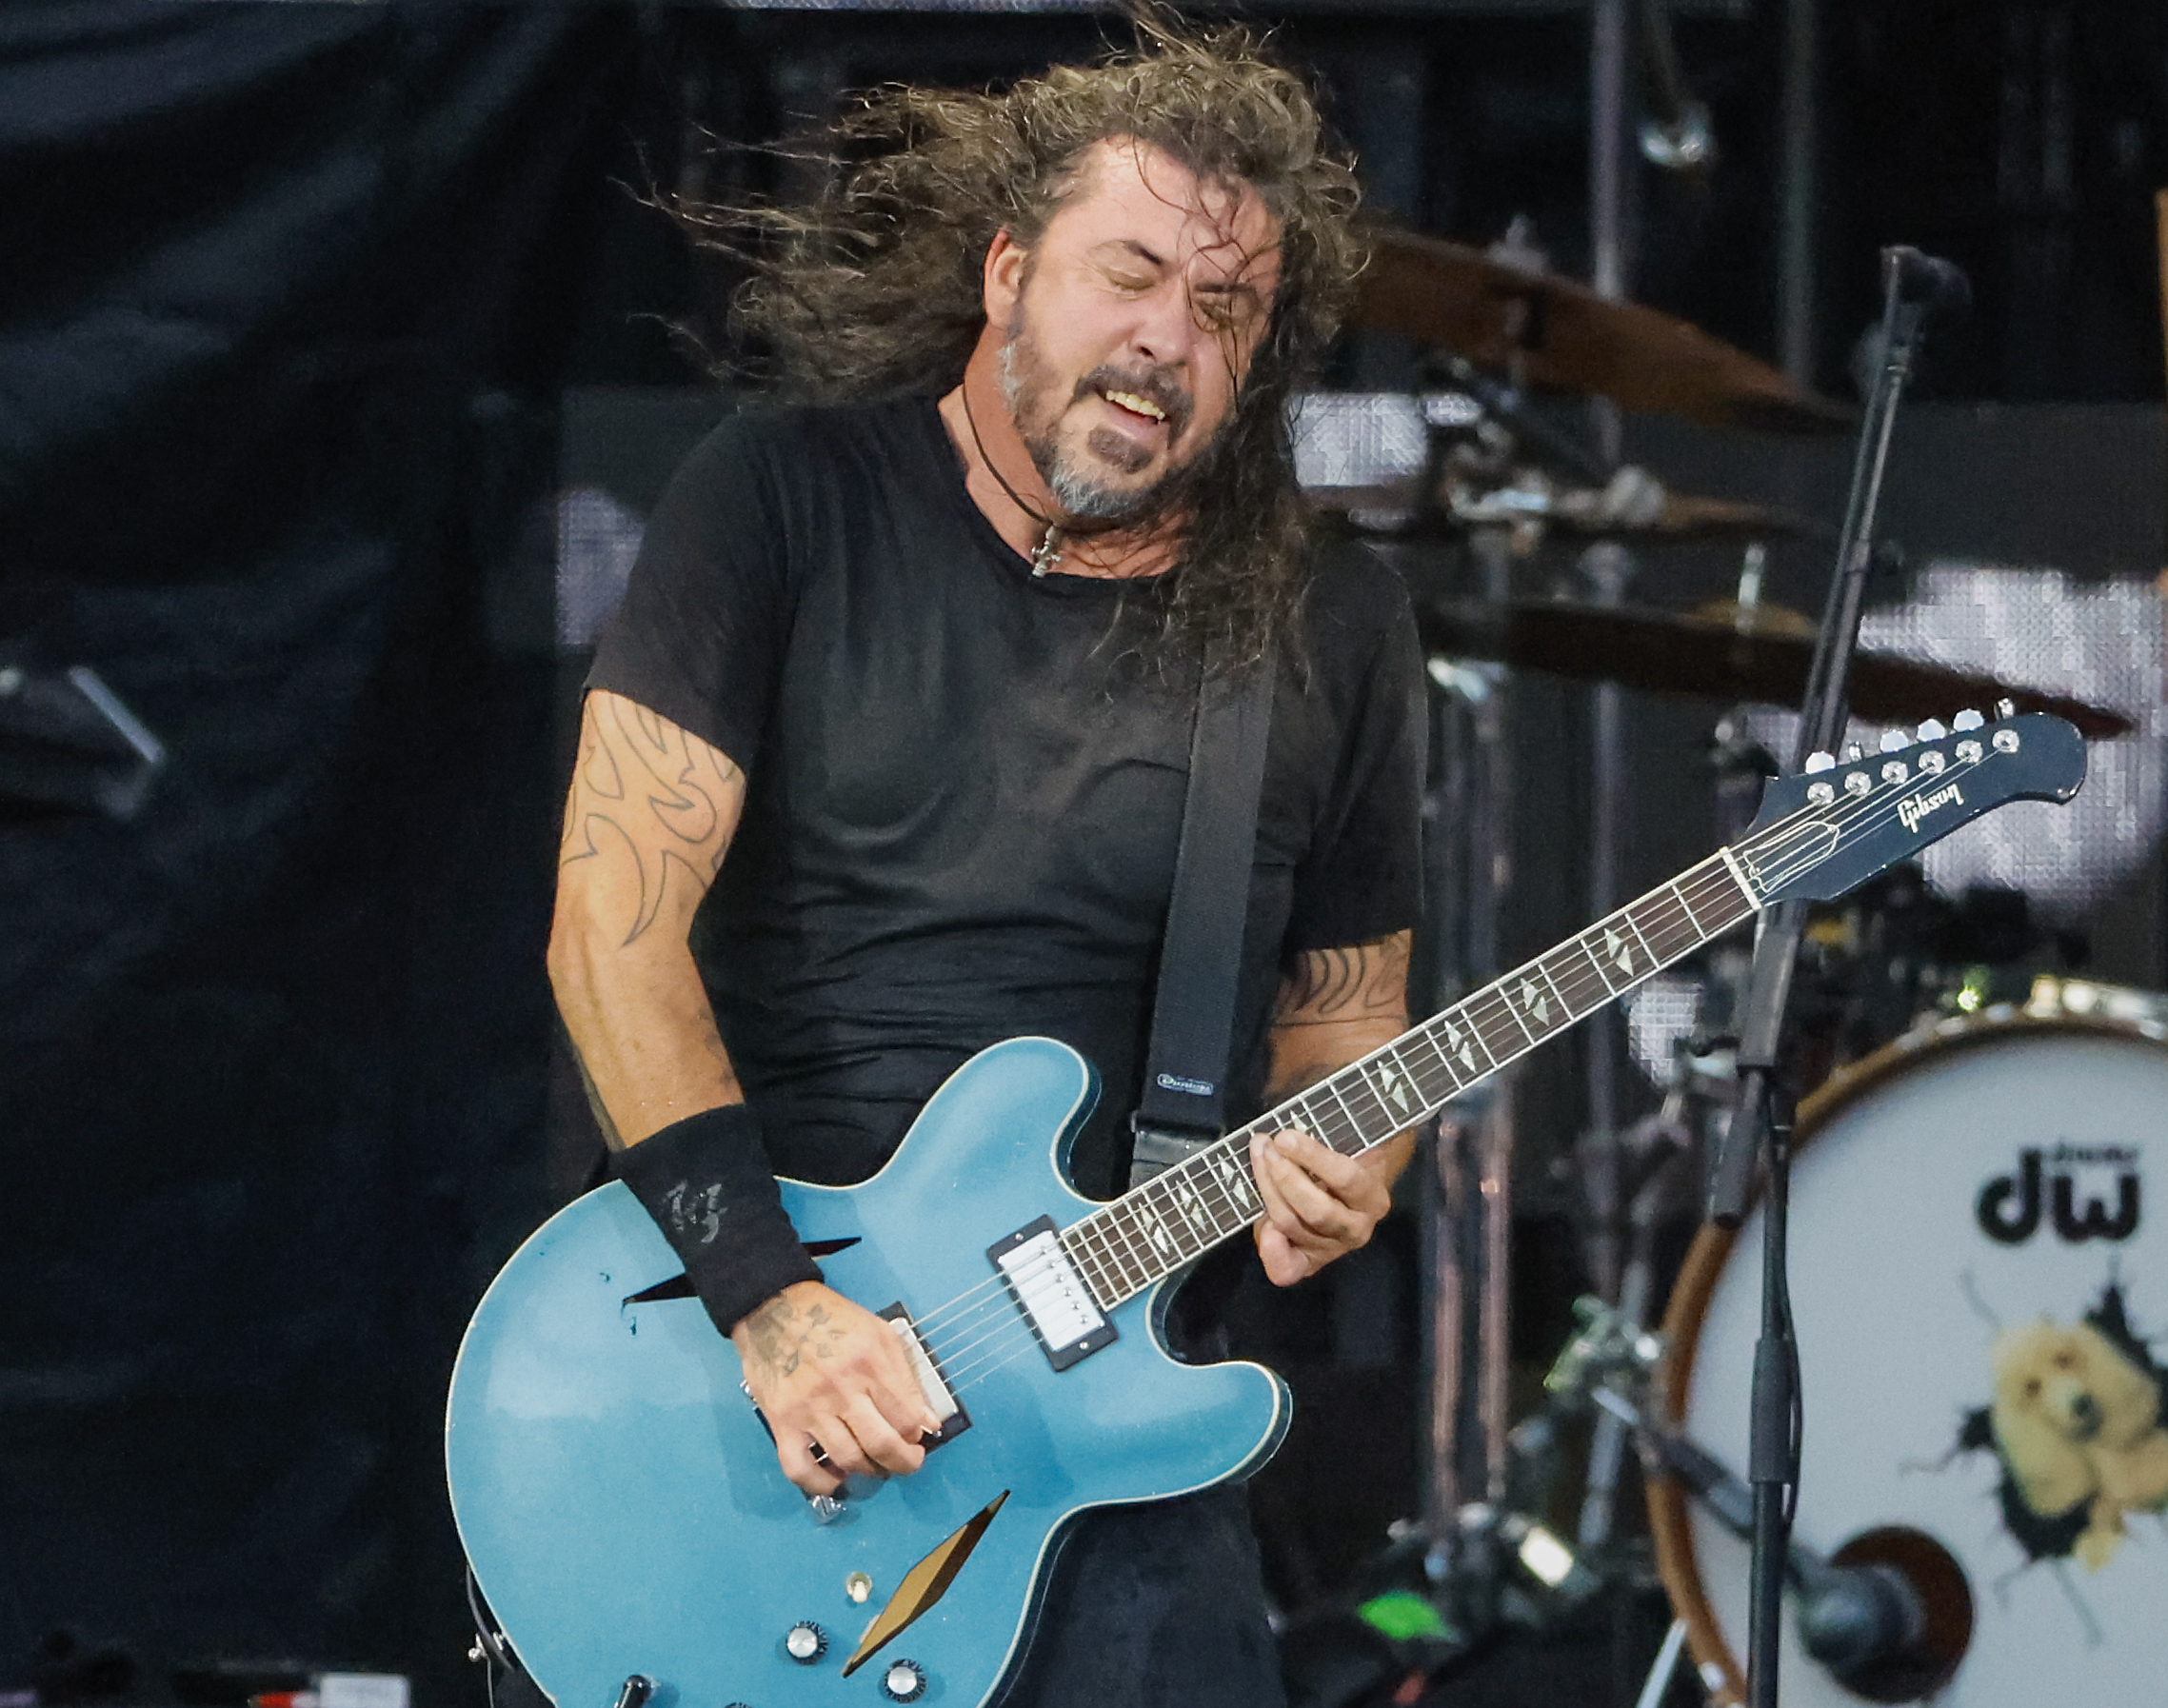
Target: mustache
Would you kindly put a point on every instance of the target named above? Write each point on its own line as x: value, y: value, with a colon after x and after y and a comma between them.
x: 1156, y: 385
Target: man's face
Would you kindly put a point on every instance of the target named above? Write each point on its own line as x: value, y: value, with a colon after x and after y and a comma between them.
x: 1129, y: 327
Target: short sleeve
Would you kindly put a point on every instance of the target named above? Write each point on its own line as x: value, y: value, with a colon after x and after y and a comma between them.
x: 1363, y: 876
x: 700, y: 634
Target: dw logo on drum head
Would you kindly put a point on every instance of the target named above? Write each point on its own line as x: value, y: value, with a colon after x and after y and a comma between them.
x: 2011, y: 1222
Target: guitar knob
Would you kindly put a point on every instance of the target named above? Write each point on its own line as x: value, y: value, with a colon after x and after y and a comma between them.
x: 1818, y: 760
x: 805, y: 1643
x: 1967, y: 719
x: 1931, y: 730
x: 903, y: 1682
x: 1894, y: 741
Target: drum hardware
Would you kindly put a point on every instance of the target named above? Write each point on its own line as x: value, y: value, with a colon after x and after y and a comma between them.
x: 1944, y: 1109
x: 1662, y: 652
x: 1560, y: 334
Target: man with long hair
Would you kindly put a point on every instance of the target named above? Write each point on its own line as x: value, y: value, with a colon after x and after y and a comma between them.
x: 921, y: 653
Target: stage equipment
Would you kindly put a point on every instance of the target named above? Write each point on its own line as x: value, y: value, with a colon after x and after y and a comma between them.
x: 1666, y: 653
x: 1912, y: 286
x: 1555, y: 333
x: 1982, y: 1286
x: 617, y: 1491
x: 68, y: 742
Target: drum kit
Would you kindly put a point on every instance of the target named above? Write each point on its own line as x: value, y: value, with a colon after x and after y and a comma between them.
x: 1982, y: 1514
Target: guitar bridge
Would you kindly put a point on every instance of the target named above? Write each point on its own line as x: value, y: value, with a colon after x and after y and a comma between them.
x: 1063, y: 1316
x: 932, y: 1384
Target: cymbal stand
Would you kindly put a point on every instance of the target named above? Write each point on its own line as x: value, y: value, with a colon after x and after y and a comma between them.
x: 1468, y: 1188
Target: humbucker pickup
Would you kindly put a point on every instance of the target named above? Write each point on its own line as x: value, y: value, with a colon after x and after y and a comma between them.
x: 1064, y: 1318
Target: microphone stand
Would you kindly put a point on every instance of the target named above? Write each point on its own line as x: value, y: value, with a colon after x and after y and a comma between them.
x: 1912, y: 286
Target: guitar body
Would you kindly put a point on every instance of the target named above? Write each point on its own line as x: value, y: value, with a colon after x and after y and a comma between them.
x: 621, y: 1503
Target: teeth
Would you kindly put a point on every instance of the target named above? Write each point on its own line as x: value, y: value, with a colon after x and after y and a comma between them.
x: 1140, y: 405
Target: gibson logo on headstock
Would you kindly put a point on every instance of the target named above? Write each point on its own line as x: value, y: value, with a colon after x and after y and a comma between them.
x: 1911, y: 811
x: 2009, y: 1206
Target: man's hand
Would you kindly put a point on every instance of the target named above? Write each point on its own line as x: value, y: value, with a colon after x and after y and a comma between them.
x: 1335, y: 1006
x: 1319, y: 1204
x: 826, y: 1371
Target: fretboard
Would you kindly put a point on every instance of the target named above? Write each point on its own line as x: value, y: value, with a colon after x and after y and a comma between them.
x: 1125, y: 1246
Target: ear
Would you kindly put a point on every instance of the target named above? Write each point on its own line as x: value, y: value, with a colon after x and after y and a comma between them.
x: 1001, y: 279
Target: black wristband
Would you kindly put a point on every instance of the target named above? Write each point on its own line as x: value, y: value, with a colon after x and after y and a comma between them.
x: 706, y: 1181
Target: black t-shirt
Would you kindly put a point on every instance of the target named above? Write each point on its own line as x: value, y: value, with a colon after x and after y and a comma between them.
x: 965, y: 785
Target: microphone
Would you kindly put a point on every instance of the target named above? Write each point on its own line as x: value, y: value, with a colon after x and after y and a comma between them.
x: 1852, y: 1617
x: 1927, y: 279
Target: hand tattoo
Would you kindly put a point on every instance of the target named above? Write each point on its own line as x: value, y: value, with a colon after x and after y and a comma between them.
x: 784, y: 1336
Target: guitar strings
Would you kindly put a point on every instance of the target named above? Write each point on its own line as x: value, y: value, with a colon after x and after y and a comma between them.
x: 972, y: 1307
x: 1851, y: 823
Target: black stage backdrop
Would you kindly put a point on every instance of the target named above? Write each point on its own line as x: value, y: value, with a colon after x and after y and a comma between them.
x: 272, y: 293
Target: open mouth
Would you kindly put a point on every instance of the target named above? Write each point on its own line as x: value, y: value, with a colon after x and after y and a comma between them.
x: 1132, y: 404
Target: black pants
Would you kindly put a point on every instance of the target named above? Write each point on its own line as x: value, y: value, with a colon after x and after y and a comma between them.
x: 1154, y: 1606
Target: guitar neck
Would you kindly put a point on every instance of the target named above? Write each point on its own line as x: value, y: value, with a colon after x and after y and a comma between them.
x: 1178, y: 1215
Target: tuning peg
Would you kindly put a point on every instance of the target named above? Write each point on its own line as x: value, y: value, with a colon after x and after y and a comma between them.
x: 1854, y: 752
x: 1967, y: 719
x: 1818, y: 760
x: 1931, y: 730
x: 2005, y: 708
x: 1895, y: 740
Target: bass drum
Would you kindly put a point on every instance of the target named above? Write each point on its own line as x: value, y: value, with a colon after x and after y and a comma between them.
x: 1979, y: 1284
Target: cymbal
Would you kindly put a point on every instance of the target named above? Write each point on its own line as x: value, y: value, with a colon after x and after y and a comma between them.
x: 1569, y: 339
x: 1768, y: 663
x: 1654, y: 512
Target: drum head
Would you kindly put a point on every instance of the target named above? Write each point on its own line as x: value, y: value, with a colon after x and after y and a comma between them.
x: 1980, y: 1281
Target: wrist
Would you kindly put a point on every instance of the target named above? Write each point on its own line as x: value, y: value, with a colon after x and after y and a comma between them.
x: 706, y: 1185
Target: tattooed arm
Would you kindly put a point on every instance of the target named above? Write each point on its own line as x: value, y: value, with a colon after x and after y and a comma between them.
x: 651, y: 814
x: 1335, y: 1006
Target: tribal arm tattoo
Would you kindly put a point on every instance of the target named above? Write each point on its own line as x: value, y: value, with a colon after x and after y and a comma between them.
x: 646, y: 790
x: 648, y: 820
x: 1336, y: 1005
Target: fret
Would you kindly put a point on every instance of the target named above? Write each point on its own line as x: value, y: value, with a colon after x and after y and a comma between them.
x: 1110, y: 1257
x: 1356, y: 1081
x: 1160, y: 1247
x: 1091, y: 1264
x: 1464, y: 1040
x: 1500, y: 1001
x: 1738, y: 874
x: 1320, y: 1131
x: 1499, y: 995
x: 1667, y: 941
x: 1428, y: 1035
x: 1395, y: 1085
x: 1595, y: 965
x: 1543, y: 965
x: 1230, y: 1169
x: 1202, y: 1223
x: 1648, y: 954
x: 1135, y: 1255
x: 1159, y: 1193
x: 1205, y: 1191
x: 1689, y: 906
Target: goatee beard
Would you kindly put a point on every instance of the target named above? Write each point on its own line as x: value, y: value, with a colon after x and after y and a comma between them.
x: 1081, y: 496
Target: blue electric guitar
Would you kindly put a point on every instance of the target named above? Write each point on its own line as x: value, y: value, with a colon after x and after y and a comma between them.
x: 616, y: 1489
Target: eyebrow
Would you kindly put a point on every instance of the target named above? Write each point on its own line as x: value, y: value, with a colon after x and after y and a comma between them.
x: 1218, y: 288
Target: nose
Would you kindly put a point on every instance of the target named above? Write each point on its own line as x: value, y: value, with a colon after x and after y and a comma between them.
x: 2086, y: 1413
x: 1166, y: 324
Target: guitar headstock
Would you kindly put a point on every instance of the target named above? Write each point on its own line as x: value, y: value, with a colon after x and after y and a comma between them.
x: 1829, y: 830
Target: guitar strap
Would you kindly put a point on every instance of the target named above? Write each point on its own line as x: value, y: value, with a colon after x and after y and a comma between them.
x: 1184, y: 1106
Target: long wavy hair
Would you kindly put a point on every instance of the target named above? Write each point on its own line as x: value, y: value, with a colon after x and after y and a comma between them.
x: 874, y: 286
